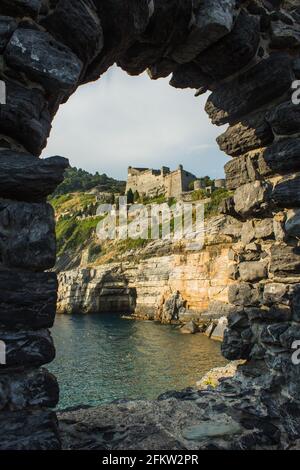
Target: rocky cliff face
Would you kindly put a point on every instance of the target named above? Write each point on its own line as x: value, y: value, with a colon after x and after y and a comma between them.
x: 147, y: 287
x: 144, y: 288
x: 247, y: 54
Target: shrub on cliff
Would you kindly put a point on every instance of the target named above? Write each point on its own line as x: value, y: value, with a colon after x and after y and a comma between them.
x: 212, y: 208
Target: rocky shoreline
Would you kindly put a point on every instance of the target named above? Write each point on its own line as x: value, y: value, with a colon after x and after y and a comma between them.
x: 233, y: 416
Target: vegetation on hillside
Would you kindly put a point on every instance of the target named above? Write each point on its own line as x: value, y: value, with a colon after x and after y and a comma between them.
x: 78, y: 180
x: 73, y: 234
x: 206, y: 181
x: 212, y: 207
x: 76, y: 214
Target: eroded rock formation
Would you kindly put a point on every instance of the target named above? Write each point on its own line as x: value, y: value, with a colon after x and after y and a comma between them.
x: 247, y: 54
x: 163, y: 281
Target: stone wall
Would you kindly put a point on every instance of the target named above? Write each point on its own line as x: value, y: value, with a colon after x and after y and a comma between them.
x: 247, y: 54
x: 153, y: 183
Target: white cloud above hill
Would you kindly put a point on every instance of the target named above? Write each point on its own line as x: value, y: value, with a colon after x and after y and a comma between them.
x: 121, y: 120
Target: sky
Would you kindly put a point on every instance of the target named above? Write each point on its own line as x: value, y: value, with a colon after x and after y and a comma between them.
x: 122, y: 121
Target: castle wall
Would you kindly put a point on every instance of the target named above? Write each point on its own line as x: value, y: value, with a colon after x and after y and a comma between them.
x: 155, y: 182
x: 173, y: 183
x: 187, y: 178
x: 148, y: 182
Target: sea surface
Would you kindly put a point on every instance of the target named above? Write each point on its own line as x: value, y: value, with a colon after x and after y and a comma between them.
x: 102, y: 358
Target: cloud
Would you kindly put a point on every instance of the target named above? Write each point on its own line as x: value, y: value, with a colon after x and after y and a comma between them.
x: 121, y: 120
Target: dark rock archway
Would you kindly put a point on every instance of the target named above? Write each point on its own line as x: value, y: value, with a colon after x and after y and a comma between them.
x: 247, y: 54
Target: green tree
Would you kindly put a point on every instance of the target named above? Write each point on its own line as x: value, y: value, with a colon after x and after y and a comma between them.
x: 207, y: 181
x: 130, y: 196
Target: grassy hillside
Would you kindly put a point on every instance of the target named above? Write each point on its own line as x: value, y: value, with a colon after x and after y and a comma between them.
x: 77, y: 221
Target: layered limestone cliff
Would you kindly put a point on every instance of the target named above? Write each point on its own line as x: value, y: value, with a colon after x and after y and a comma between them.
x: 165, y: 282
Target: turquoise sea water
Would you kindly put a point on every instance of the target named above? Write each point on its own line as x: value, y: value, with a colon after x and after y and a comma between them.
x: 101, y: 358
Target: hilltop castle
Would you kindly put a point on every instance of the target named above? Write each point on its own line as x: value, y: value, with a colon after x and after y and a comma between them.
x: 153, y: 183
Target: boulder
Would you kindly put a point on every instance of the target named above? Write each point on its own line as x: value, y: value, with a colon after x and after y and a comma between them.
x: 209, y: 330
x: 251, y: 271
x: 171, y: 308
x: 244, y: 294
x: 7, y: 27
x: 252, y: 252
x: 169, y: 22
x: 275, y: 313
x: 286, y: 193
x: 76, y: 25
x: 264, y: 228
x: 248, y: 232
x: 261, y: 84
x: 212, y: 429
x: 234, y: 346
x: 29, y: 430
x: 238, y: 321
x: 271, y: 334
x: 232, y: 227
x: 215, y: 376
x: 212, y: 21
x: 21, y: 7
x: 25, y: 117
x: 274, y: 293
x: 292, y: 224
x: 161, y: 69
x: 284, y: 119
x: 27, y: 178
x: 43, y: 59
x: 234, y: 52
x: 218, y: 332
x: 284, y: 35
x: 227, y: 207
x: 285, y: 260
x: 280, y: 157
x: 251, y: 198
x: 241, y: 171
x: 252, y: 132
x: 123, y: 23
x: 27, y: 300
x: 189, y: 328
x: 19, y: 390
x: 190, y: 76
x: 26, y: 348
x: 27, y: 235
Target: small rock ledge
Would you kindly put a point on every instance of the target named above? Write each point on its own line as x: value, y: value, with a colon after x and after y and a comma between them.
x: 243, y: 413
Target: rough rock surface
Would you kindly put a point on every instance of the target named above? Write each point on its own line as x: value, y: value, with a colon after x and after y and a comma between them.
x: 34, y: 430
x: 27, y: 299
x: 43, y: 59
x: 27, y: 178
x: 238, y: 415
x: 20, y: 390
x: 177, y: 286
x: 215, y: 376
x: 247, y: 54
x: 27, y: 235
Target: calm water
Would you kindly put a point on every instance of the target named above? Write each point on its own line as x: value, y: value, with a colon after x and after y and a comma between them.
x: 101, y: 358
